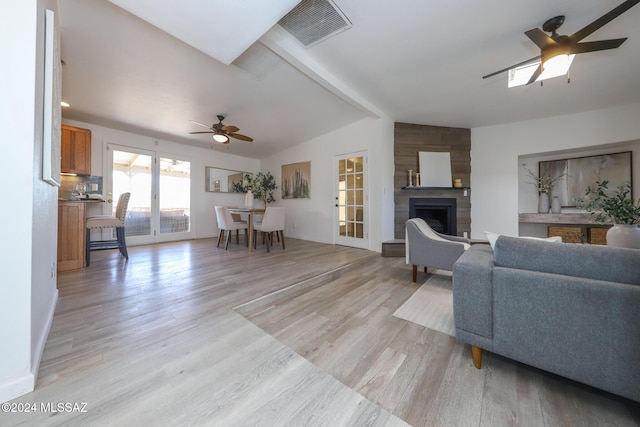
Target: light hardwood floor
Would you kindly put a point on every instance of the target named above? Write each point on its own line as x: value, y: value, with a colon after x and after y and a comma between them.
x: 188, y: 334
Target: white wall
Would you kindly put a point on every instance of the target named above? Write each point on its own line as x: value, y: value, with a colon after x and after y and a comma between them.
x: 495, y: 152
x: 44, y: 292
x: 314, y: 217
x: 26, y: 256
x: 203, y: 218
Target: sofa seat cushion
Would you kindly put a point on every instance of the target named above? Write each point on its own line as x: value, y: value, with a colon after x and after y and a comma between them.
x: 587, y: 261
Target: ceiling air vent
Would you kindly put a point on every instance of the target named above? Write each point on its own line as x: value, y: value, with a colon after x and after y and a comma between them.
x: 312, y: 21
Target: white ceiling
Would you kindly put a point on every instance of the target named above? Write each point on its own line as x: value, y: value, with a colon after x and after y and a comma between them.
x: 415, y: 62
x: 212, y: 26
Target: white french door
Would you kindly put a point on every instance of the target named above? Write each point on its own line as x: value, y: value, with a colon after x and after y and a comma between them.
x: 160, y: 186
x: 351, y: 200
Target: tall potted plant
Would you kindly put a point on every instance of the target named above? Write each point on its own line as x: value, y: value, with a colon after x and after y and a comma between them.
x: 260, y: 185
x: 263, y: 186
x: 617, y: 207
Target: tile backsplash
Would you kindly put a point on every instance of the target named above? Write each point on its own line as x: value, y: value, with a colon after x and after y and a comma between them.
x: 65, y: 191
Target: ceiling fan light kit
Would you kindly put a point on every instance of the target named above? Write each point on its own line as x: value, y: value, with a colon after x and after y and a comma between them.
x: 223, y: 139
x: 557, y: 51
x: 222, y: 133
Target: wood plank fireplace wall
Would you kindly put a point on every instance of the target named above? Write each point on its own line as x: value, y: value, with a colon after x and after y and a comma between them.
x: 409, y: 139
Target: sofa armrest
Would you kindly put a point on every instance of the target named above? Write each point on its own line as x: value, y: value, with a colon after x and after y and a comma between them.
x: 473, y: 296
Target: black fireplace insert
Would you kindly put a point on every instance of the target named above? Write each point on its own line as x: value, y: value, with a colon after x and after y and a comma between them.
x: 438, y: 212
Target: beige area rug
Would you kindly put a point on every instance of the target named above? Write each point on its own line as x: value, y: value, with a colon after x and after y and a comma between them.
x: 431, y: 305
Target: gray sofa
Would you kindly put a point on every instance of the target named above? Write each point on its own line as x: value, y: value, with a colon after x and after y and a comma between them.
x: 573, y: 310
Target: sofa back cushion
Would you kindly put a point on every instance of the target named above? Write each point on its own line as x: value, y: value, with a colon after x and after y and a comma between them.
x: 588, y: 261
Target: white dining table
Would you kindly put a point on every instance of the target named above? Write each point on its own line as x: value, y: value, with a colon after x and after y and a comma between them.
x: 251, y: 212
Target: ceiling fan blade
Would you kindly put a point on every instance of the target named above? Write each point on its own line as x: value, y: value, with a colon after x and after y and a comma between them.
x: 192, y: 133
x: 519, y: 64
x: 230, y: 128
x: 200, y: 124
x: 540, y: 38
x: 604, y: 19
x: 585, y: 47
x: 535, y: 75
x: 240, y: 137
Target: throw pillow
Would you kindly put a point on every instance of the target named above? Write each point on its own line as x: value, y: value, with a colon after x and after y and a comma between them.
x: 492, y: 237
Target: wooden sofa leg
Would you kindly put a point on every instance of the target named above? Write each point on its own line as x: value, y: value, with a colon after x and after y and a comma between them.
x: 477, y: 356
x: 415, y: 273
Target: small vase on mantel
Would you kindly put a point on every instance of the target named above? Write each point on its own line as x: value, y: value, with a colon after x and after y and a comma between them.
x: 543, y: 203
x: 556, y: 208
x: 624, y: 236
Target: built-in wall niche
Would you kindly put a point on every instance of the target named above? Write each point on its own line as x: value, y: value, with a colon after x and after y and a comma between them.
x: 528, y: 196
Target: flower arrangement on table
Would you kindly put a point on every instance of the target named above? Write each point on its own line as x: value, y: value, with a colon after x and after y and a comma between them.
x: 543, y: 183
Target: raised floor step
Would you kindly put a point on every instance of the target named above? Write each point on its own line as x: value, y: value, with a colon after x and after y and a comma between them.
x: 393, y: 248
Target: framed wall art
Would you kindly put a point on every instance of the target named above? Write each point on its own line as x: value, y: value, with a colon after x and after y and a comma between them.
x: 296, y: 181
x: 52, y: 117
x: 581, y: 172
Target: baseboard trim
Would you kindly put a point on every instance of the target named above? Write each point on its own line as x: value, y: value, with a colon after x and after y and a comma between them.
x: 42, y: 340
x: 24, y: 384
x: 17, y: 387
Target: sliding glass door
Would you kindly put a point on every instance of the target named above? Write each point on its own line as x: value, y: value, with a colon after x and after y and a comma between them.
x: 160, y: 186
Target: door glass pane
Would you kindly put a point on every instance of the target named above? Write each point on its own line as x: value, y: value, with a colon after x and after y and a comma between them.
x: 341, y: 167
x: 350, y: 200
x: 132, y: 173
x: 175, y: 195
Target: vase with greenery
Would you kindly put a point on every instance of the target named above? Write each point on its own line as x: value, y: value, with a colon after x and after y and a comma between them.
x: 543, y: 184
x: 614, y: 206
x: 262, y: 185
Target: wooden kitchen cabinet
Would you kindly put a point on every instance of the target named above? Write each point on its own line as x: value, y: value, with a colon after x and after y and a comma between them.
x: 71, y: 235
x: 75, y: 153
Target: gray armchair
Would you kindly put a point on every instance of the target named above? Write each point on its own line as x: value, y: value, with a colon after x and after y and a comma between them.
x: 428, y: 248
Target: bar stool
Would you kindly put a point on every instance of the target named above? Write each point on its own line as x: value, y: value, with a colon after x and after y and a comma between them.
x: 105, y: 221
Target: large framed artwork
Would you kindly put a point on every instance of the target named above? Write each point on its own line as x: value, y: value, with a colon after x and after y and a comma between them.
x: 296, y: 181
x: 581, y: 172
x: 435, y: 169
x: 52, y: 121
